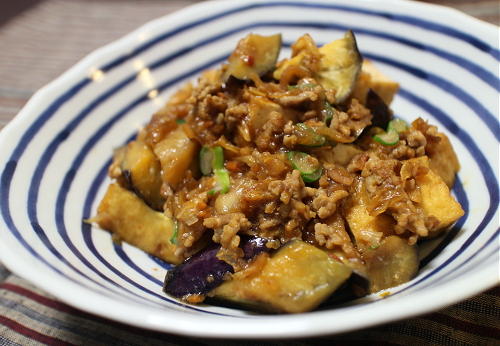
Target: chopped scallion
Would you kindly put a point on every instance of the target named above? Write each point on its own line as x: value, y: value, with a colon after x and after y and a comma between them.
x: 212, y: 160
x: 307, y: 136
x: 398, y: 125
x: 387, y: 138
x: 173, y: 238
x: 206, y: 160
x: 308, y: 166
x: 222, y: 180
x: 327, y: 112
x: 218, y: 158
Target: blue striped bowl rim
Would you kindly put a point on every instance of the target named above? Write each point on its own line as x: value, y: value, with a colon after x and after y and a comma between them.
x: 81, y: 265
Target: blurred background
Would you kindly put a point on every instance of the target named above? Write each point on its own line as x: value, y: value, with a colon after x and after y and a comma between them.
x: 40, y: 39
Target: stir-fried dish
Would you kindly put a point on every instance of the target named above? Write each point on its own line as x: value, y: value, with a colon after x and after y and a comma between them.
x: 277, y: 186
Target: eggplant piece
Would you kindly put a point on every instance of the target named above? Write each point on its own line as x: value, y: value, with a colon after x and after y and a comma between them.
x: 203, y: 271
x: 253, y: 246
x: 296, y: 278
x: 142, y: 172
x: 254, y: 55
x: 357, y: 286
x: 380, y: 111
x: 340, y: 65
x: 127, y: 216
x: 393, y: 263
x: 198, y: 274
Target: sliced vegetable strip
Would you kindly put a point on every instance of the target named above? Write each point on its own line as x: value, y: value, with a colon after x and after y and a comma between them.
x: 173, y: 238
x: 398, y: 125
x: 307, y: 136
x: 212, y: 160
x: 391, y: 136
x: 308, y: 166
x: 387, y: 138
x: 206, y: 159
x: 327, y: 112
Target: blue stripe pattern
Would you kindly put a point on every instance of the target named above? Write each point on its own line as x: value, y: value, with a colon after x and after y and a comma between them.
x: 484, y: 115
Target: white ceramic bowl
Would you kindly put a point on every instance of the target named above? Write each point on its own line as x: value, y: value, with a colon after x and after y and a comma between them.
x: 55, y: 154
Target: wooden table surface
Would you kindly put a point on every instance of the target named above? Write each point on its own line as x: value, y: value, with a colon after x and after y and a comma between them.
x: 39, y: 40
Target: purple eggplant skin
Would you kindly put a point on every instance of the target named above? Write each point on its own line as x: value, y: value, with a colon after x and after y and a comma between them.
x: 198, y: 274
x: 203, y: 271
x: 380, y: 111
x: 252, y: 246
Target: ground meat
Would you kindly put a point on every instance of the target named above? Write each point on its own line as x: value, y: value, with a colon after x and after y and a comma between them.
x: 338, y: 174
x: 431, y: 135
x: 357, y: 163
x: 387, y: 193
x: 289, y: 138
x: 289, y: 205
x: 226, y: 228
x: 349, y: 125
x: 294, y: 99
x: 325, y: 204
x: 333, y: 234
x: 269, y: 139
x: 291, y: 187
x: 412, y: 144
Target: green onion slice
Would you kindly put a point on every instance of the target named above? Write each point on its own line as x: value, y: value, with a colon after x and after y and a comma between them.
x: 390, y: 137
x: 327, y: 112
x: 308, y: 166
x: 173, y: 238
x: 307, y: 136
x: 222, y: 180
x: 206, y: 160
x: 398, y: 125
x: 180, y: 121
x: 218, y: 158
x: 212, y: 160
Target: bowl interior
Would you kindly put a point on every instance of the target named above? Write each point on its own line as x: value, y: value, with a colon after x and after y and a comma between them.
x: 56, y: 155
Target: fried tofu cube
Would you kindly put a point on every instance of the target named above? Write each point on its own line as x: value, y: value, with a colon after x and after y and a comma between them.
x: 364, y: 226
x: 131, y: 220
x: 444, y: 161
x: 372, y: 78
x: 435, y: 197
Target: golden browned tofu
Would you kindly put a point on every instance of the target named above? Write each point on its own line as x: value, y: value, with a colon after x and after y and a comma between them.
x: 362, y: 224
x: 297, y: 278
x: 127, y: 216
x: 142, y: 170
x: 371, y: 78
x: 175, y: 153
x: 444, y: 161
x: 435, y: 197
